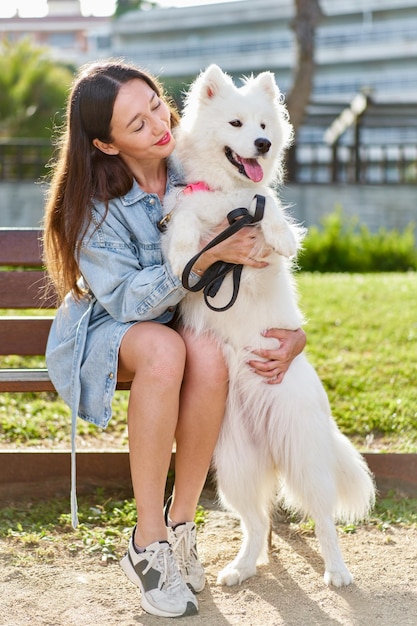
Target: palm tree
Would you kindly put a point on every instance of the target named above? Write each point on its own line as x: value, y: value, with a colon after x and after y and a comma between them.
x: 33, y: 90
x: 123, y: 6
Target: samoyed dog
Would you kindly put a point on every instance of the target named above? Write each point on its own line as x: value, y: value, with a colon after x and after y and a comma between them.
x: 277, y: 441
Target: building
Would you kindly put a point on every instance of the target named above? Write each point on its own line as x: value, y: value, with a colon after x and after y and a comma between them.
x: 371, y: 43
x: 360, y: 44
x: 70, y: 36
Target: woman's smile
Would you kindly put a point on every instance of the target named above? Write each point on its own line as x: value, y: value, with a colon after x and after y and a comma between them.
x: 164, y: 140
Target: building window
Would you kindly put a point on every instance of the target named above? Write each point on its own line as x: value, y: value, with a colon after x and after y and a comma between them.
x: 62, y: 40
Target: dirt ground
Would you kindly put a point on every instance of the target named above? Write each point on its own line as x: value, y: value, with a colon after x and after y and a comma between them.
x: 288, y: 591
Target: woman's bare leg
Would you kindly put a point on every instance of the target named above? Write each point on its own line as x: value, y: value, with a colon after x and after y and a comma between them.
x: 202, y: 406
x: 153, y: 357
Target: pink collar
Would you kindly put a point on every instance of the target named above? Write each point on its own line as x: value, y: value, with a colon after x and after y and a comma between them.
x: 198, y: 186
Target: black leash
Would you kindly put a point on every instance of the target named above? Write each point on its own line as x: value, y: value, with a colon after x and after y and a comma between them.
x: 213, y: 277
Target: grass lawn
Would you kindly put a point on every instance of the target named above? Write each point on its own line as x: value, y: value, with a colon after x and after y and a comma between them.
x: 362, y: 338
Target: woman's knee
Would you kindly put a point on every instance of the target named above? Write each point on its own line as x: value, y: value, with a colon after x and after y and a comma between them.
x: 153, y: 349
x: 205, y: 356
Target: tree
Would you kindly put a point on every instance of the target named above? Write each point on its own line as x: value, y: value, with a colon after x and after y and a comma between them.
x: 123, y: 6
x: 307, y: 18
x: 33, y: 90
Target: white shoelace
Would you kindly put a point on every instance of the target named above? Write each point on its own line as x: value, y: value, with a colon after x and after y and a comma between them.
x: 163, y: 561
x: 184, y: 547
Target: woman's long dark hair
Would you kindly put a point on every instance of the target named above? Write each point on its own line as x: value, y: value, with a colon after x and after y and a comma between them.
x: 82, y: 172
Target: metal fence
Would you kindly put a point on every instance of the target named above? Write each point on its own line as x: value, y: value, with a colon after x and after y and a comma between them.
x: 348, y: 164
x: 24, y: 159
x: 27, y: 159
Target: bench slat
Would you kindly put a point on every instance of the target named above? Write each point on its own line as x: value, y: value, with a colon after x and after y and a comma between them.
x: 24, y: 290
x: 26, y: 336
x: 25, y: 380
x: 20, y: 246
x: 32, y: 380
x: 20, y: 289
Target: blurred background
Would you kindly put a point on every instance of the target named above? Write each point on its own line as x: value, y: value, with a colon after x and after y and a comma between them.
x: 347, y: 68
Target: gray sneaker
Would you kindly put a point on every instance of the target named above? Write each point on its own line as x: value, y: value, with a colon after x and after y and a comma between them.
x: 183, y: 540
x: 155, y: 572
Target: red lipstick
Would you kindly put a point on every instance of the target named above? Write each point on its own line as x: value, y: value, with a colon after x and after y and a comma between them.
x: 164, y: 140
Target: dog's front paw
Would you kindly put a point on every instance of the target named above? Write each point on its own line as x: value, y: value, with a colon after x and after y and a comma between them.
x: 234, y: 575
x: 340, y: 578
x: 282, y: 239
x: 179, y: 255
x: 178, y: 264
x: 287, y: 244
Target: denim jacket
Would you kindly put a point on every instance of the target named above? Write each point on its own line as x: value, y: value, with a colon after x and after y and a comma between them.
x: 128, y: 281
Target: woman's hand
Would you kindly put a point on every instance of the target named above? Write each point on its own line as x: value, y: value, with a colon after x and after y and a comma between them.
x: 278, y: 360
x: 240, y: 248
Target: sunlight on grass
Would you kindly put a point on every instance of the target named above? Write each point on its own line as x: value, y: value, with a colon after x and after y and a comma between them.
x: 41, y: 531
x: 362, y: 339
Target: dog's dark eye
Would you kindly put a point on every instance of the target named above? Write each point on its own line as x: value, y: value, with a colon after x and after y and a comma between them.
x: 263, y: 126
x: 236, y: 123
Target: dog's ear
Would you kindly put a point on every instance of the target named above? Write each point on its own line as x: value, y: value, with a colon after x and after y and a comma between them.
x: 266, y: 81
x: 212, y: 80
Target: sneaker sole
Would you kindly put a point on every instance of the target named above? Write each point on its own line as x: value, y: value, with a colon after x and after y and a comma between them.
x: 126, y: 566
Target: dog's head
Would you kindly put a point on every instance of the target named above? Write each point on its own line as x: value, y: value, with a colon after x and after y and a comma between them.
x: 231, y: 133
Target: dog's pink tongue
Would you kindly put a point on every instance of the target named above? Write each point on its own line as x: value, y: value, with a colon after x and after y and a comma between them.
x: 253, y: 169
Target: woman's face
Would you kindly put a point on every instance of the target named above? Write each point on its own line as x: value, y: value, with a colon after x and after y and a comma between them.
x: 140, y: 125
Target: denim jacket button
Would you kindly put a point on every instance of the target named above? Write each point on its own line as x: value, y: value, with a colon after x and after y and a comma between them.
x: 111, y: 375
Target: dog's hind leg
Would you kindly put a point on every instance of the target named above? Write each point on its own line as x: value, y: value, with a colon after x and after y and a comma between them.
x: 336, y: 573
x: 311, y: 487
x: 255, y: 525
x: 310, y: 462
x: 318, y: 499
x: 247, y: 488
x: 355, y: 495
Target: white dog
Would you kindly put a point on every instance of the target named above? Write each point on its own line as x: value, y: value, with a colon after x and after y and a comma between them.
x: 276, y: 439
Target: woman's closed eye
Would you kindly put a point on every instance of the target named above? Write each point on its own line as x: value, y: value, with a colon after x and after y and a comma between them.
x: 155, y: 108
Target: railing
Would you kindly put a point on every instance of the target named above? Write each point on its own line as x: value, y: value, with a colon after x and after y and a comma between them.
x: 27, y: 159
x: 366, y: 164
x: 24, y: 159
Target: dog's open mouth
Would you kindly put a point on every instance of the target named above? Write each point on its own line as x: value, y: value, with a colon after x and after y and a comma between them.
x: 248, y: 167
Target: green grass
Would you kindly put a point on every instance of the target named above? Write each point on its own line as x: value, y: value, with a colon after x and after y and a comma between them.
x: 362, y: 339
x: 43, y: 528
x: 40, y: 531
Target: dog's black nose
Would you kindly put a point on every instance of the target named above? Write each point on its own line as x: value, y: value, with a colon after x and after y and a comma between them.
x: 262, y: 144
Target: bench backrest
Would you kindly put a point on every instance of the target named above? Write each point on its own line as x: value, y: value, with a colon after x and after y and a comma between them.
x: 22, y: 286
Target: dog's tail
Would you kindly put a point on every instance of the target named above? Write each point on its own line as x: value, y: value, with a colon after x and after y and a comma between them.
x: 355, y: 483
x: 324, y: 473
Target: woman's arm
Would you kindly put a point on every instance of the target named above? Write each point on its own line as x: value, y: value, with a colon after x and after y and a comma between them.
x: 236, y: 249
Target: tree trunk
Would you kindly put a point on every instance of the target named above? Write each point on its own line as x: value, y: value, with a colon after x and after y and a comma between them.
x: 308, y: 15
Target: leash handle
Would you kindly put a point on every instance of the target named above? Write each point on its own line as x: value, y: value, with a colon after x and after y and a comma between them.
x: 213, y: 277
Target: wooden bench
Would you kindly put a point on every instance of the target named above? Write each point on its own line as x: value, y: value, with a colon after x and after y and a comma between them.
x: 22, y: 282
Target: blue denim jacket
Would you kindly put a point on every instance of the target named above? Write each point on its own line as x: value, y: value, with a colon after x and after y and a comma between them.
x: 129, y: 281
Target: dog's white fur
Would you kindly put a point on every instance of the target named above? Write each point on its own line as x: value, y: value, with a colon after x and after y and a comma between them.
x: 275, y: 439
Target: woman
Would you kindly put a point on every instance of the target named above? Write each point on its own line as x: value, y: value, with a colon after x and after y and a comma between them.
x: 117, y: 319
